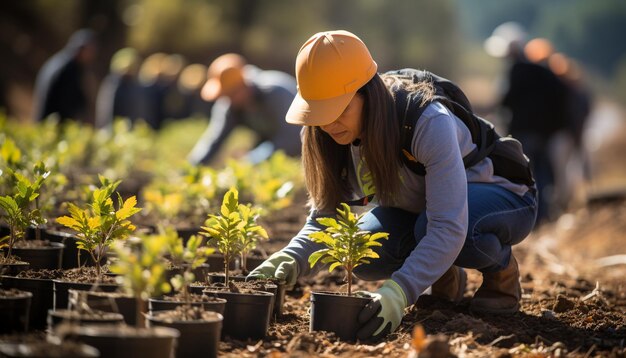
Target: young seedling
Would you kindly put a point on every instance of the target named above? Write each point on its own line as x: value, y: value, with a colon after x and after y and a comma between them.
x: 141, y: 271
x: 251, y: 232
x: 18, y: 212
x: 225, y: 229
x: 191, y: 256
x: 100, y: 223
x: 347, y: 246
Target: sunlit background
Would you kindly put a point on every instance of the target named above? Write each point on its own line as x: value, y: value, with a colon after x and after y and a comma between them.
x: 444, y: 36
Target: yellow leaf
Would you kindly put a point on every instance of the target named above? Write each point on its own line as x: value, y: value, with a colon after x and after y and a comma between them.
x: 93, y: 222
x: 69, y: 222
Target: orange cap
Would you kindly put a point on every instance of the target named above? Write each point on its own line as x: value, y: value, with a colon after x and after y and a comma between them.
x: 330, y: 68
x: 224, y: 76
x: 538, y: 50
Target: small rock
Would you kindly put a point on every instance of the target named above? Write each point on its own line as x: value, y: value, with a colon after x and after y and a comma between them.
x: 548, y: 314
x: 563, y: 304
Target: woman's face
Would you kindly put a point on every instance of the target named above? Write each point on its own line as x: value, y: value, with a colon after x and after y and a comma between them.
x: 347, y: 128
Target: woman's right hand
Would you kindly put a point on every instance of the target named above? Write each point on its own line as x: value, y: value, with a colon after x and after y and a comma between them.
x: 279, y: 265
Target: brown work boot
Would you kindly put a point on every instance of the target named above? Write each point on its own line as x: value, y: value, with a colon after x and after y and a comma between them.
x: 500, y: 291
x: 451, y: 286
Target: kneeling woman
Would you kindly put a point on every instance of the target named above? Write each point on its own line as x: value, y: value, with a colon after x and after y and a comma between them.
x: 450, y: 218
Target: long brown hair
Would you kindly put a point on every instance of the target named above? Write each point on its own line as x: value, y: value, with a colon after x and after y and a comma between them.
x: 326, y: 162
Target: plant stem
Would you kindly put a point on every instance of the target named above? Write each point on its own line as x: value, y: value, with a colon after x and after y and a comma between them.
x: 244, y: 259
x: 140, y: 306
x: 226, y: 262
x: 349, y: 269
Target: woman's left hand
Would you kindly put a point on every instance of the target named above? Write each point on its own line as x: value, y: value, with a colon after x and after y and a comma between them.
x: 384, y: 314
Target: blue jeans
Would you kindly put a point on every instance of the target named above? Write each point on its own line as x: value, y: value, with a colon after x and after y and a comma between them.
x: 498, y: 219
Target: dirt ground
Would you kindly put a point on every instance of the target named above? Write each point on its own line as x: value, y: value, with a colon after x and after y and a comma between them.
x: 573, y: 273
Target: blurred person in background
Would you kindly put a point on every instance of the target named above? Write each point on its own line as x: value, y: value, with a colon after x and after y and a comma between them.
x: 570, y: 157
x: 451, y: 215
x: 535, y: 99
x: 120, y: 94
x: 151, y: 109
x: 61, y: 86
x: 173, y: 101
x: 190, y: 83
x: 247, y: 96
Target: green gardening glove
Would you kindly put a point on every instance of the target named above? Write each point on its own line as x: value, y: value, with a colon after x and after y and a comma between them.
x: 280, y: 266
x: 383, y: 315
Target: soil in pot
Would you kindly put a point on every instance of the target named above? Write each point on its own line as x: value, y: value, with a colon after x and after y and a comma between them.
x: 337, y: 313
x: 41, y: 254
x: 199, y: 330
x: 82, y: 279
x: 168, y: 303
x: 14, y: 310
x: 39, y: 283
x: 248, y: 310
x: 82, y: 317
x: 122, y: 341
x: 270, y: 286
x: 114, y: 302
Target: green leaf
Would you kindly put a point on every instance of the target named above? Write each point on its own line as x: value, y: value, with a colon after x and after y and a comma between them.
x: 314, y: 257
x: 334, y: 266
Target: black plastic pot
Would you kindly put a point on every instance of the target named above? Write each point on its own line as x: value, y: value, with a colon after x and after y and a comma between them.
x: 253, y: 262
x: 58, y: 316
x: 70, y: 254
x: 44, y: 257
x: 216, y: 263
x: 336, y: 313
x: 247, y: 315
x: 159, y: 304
x: 14, y: 268
x: 199, y: 272
x: 61, y: 290
x: 114, y: 302
x: 43, y: 348
x: 42, y: 300
x: 14, y: 311
x: 128, y: 342
x: 218, y: 277
x: 198, y: 338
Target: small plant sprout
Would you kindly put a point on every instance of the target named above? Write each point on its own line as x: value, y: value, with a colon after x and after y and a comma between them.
x: 100, y: 223
x: 140, y: 268
x: 190, y: 256
x: 225, y: 229
x: 17, y: 210
x: 346, y: 245
x: 251, y: 232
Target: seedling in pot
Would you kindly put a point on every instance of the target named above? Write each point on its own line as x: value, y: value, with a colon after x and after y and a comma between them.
x: 191, y: 256
x: 225, y: 229
x: 18, y: 211
x: 100, y: 223
x: 141, y: 271
x: 251, y: 232
x: 347, y: 246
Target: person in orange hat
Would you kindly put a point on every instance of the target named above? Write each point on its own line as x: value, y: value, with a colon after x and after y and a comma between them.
x: 440, y: 220
x: 246, y: 95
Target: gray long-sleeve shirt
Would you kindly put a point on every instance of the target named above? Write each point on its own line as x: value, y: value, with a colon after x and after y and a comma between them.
x: 273, y: 93
x: 440, y: 142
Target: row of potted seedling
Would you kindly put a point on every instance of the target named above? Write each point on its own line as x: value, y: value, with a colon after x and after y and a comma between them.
x: 138, y: 266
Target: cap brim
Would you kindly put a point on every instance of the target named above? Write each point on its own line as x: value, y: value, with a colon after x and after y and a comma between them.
x: 211, y: 90
x: 317, y: 112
